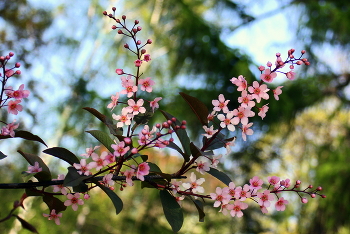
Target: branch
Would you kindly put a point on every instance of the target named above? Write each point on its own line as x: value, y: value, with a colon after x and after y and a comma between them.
x: 57, y: 182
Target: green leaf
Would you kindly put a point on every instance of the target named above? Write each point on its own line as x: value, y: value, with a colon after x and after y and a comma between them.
x: 54, y: 203
x: 182, y: 135
x: 216, y: 143
x: 195, y: 151
x: 200, y: 208
x: 198, y: 107
x: 153, y: 167
x: 104, y: 119
x: 172, y: 210
x: 2, y: 155
x: 26, y: 225
x: 25, y: 135
x: 73, y: 178
x: 143, y: 118
x: 117, y: 202
x: 45, y: 174
x: 63, y: 154
x: 103, y: 138
x: 174, y: 146
x: 220, y: 176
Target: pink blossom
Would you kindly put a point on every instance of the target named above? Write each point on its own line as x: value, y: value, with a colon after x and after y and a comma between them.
x: 242, y: 193
x: 215, y: 161
x: 124, y: 118
x: 231, y: 189
x: 128, y: 176
x: 179, y: 199
x: 267, y: 76
x: 135, y: 108
x: 228, y: 146
x: 221, y: 197
x: 54, y: 216
x: 240, y: 82
x: 290, y: 75
x: 211, y: 116
x: 265, y: 198
x: 154, y: 104
x: 263, y: 209
x: 114, y: 102
x: 277, y: 92
x: 129, y: 86
x: 194, y: 185
x: 263, y: 110
x: 280, y: 204
x: 261, y: 68
x: 89, y: 151
x: 202, y: 166
x: 120, y: 149
x: 285, y: 183
x: 242, y: 115
x: 220, y: 104
x: 246, y: 131
x: 107, y: 180
x: 209, y: 131
x: 147, y: 57
x: 255, y: 183
x: 110, y: 158
x: 74, y: 200
x: 17, y: 94
x: 138, y: 63
x: 246, y: 100
x: 142, y: 170
x: 9, y: 129
x: 14, y: 107
x: 99, y: 161
x: 34, y: 169
x: 237, y: 208
x: 83, y: 168
x: 227, y: 121
x: 259, y: 91
x: 60, y: 187
x: 273, y: 180
x: 175, y: 185
x: 146, y: 84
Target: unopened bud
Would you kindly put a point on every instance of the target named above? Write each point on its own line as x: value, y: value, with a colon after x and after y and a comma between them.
x: 134, y: 30
x: 119, y: 71
x: 319, y: 188
x: 114, y: 27
x: 307, y: 63
x: 113, y: 8
x: 183, y: 127
x: 117, y: 20
x: 323, y: 196
x: 138, y: 42
x: 134, y: 151
x: 11, y: 54
x: 126, y: 46
x: 278, y: 54
x: 291, y: 67
x: 18, y: 72
x: 310, y: 186
x: 110, y: 15
x: 86, y: 196
x: 127, y: 140
x: 123, y: 17
x: 313, y: 195
x: 149, y: 41
x: 158, y: 125
x: 303, y: 52
x: 120, y: 31
x: 304, y: 200
x: 105, y: 12
x: 139, y: 28
x: 137, y: 22
x: 184, y: 122
x: 143, y: 51
x: 298, y: 182
x: 261, y: 68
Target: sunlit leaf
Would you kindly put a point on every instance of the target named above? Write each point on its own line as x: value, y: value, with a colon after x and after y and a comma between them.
x: 172, y: 210
x: 103, y: 138
x: 220, y: 176
x: 63, y: 154
x: 198, y: 107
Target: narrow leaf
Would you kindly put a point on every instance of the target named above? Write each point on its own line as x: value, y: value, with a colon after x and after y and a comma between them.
x: 104, y: 119
x: 182, y: 135
x: 73, y: 178
x: 220, y: 176
x: 103, y: 138
x: 195, y: 151
x: 216, y: 143
x: 63, y: 154
x: 26, y: 225
x: 117, y: 202
x: 198, y: 107
x: 172, y: 210
x: 45, y: 174
x: 25, y: 135
x: 200, y: 208
x: 54, y: 203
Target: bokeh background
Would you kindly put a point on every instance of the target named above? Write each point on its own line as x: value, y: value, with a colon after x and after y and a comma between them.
x: 69, y: 55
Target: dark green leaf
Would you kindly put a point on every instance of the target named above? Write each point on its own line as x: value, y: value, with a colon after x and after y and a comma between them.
x: 54, y: 203
x: 198, y: 107
x: 153, y: 167
x: 220, y: 176
x: 200, y: 208
x: 2, y: 155
x: 73, y: 178
x: 26, y: 225
x: 216, y: 143
x: 103, y: 138
x: 117, y: 202
x: 182, y: 135
x: 172, y: 210
x: 195, y: 151
x: 45, y: 174
x: 25, y: 135
x: 174, y: 146
x: 108, y: 122
x: 63, y: 154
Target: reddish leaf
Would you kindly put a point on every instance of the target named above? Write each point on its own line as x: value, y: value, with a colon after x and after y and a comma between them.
x: 198, y: 107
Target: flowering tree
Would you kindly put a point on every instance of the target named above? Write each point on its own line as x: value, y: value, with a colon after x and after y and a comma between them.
x: 129, y: 136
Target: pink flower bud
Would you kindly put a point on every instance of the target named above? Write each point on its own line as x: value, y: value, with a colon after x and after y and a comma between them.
x: 17, y: 65
x: 7, y: 57
x: 123, y: 17
x: 184, y: 122
x: 138, y: 42
x: 278, y: 54
x: 127, y: 140
x: 304, y: 200
x: 319, y: 188
x: 149, y: 41
x: 169, y: 121
x: 114, y: 27
x: 158, y: 125
x: 183, y: 127
x: 134, y: 151
x: 139, y: 28
x: 117, y: 20
x: 18, y: 72
x: 323, y: 196
x: 310, y: 186
x: 269, y: 64
x: 291, y: 56
x: 104, y: 12
x: 11, y: 54
x: 313, y: 195
x: 86, y: 196
x: 110, y: 15
x: 137, y: 22
x: 298, y: 182
x: 114, y: 8
x: 120, y: 31
x: 299, y: 62
x: 171, y: 139
x: 143, y: 51
x: 173, y: 119
x: 126, y: 46
x: 261, y: 68
x: 291, y: 67
x: 119, y: 71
